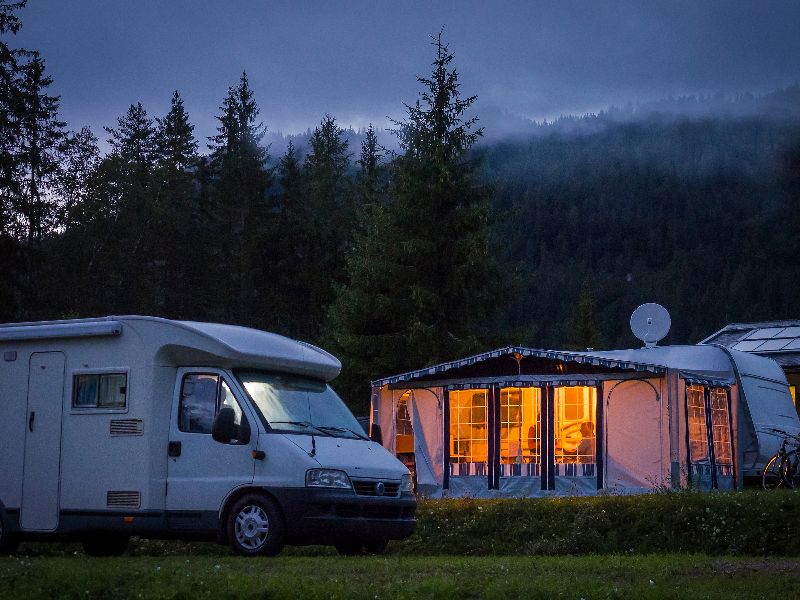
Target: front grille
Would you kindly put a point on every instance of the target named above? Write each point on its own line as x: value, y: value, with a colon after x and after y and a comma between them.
x: 126, y: 427
x: 370, y: 487
x: 123, y: 499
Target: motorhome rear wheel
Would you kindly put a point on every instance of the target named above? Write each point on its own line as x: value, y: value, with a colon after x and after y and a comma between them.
x: 105, y: 544
x: 8, y: 544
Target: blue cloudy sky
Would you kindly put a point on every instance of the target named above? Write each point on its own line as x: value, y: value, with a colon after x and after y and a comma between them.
x: 358, y: 59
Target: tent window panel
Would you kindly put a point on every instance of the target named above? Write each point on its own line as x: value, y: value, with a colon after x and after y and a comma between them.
x: 575, y: 417
x: 720, y: 423
x: 698, y: 435
x: 468, y: 431
x: 403, y: 416
x: 520, y: 425
x: 404, y: 439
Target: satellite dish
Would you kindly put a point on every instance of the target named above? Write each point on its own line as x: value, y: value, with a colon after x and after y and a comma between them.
x: 650, y: 323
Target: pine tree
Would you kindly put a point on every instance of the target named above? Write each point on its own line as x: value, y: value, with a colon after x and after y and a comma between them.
x: 421, y: 276
x: 584, y: 332
x: 330, y: 222
x: 79, y: 164
x: 11, y: 111
x: 179, y: 221
x: 43, y: 139
x: 176, y: 147
x: 128, y: 249
x: 238, y: 200
x: 369, y: 178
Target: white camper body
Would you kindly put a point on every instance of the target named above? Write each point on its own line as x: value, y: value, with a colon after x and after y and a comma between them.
x: 106, y: 426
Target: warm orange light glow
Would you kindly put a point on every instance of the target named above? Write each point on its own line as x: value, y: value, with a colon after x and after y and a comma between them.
x: 520, y: 425
x: 575, y: 424
x: 468, y: 431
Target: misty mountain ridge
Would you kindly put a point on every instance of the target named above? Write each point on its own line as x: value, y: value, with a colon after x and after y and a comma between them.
x: 499, y: 125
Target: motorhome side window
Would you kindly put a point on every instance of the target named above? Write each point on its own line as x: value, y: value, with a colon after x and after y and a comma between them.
x: 100, y: 390
x: 202, y: 396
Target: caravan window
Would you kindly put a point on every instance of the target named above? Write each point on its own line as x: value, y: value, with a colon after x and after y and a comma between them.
x: 100, y: 390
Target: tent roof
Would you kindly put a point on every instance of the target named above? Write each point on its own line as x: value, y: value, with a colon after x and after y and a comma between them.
x: 590, y: 361
x: 698, y: 364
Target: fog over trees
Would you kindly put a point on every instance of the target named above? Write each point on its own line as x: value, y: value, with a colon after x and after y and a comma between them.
x: 394, y: 256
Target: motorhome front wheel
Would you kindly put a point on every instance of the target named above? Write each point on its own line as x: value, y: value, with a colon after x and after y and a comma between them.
x: 255, y: 527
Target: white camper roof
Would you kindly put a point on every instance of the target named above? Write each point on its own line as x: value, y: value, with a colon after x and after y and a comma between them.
x: 192, y: 343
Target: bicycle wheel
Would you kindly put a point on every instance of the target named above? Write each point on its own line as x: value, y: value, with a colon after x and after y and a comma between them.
x: 774, y: 475
x: 791, y: 473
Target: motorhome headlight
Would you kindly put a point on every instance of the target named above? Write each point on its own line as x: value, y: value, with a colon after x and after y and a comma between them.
x: 405, y: 483
x: 328, y: 478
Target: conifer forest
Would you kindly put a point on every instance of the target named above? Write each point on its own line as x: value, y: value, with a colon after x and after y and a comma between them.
x: 403, y: 248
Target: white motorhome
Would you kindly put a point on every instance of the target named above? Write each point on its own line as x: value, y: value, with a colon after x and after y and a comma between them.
x: 132, y: 425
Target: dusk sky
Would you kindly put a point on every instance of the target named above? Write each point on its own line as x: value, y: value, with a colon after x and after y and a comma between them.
x: 358, y: 60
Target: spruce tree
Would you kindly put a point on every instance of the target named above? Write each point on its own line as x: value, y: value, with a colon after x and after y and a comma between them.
x: 329, y: 225
x: 238, y: 201
x: 12, y: 221
x: 584, y: 332
x: 421, y: 277
x: 43, y: 140
x: 179, y: 221
x: 130, y: 241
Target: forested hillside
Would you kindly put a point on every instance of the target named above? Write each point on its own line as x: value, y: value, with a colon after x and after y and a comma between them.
x: 699, y: 215
x: 393, y: 260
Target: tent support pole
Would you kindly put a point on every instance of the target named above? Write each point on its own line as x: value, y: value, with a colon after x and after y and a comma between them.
x: 446, y: 439
x: 599, y: 451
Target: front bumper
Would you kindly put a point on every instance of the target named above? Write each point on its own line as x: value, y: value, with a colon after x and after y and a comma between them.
x: 326, y: 515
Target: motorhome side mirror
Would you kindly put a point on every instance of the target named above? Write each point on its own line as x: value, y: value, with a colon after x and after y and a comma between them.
x: 375, y: 434
x: 224, y: 428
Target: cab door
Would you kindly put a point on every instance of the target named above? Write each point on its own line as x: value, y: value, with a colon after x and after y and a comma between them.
x: 202, y: 472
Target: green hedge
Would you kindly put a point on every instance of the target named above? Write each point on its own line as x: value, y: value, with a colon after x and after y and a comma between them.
x: 750, y: 522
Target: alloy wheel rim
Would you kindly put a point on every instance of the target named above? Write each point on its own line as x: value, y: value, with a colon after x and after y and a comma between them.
x: 252, y: 527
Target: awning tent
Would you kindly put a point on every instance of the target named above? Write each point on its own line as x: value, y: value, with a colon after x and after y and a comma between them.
x: 520, y: 421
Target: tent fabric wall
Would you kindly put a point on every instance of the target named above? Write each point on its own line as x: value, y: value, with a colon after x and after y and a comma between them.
x: 385, y: 400
x: 425, y: 406
x: 633, y: 435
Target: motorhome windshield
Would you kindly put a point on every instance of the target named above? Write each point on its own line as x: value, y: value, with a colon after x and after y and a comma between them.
x: 297, y: 405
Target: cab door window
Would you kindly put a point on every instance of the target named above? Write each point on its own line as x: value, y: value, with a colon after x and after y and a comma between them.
x: 202, y: 397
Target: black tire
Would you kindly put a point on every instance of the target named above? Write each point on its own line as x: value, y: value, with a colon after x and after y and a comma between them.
x: 774, y: 474
x: 255, y: 527
x: 376, y: 546
x: 8, y: 543
x: 105, y: 544
x: 349, y: 547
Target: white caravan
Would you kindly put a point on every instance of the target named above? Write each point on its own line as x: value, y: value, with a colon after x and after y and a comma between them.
x: 123, y: 426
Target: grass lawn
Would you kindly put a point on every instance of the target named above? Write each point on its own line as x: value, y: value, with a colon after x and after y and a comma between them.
x: 395, y: 577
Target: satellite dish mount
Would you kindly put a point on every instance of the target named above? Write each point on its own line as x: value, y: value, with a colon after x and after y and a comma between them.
x: 650, y: 323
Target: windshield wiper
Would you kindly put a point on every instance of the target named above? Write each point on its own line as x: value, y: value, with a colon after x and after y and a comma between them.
x: 304, y: 424
x: 341, y: 429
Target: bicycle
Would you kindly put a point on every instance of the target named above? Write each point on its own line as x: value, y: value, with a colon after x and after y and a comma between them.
x: 783, y: 469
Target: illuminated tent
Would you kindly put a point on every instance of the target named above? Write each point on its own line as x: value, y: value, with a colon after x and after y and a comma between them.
x: 525, y: 422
